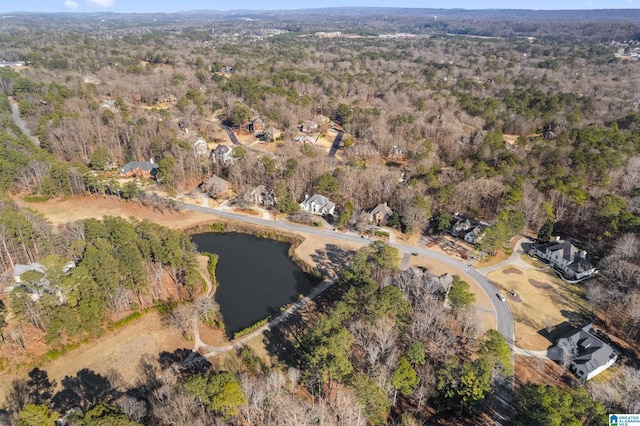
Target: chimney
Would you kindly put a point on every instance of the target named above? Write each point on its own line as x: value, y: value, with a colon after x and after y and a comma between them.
x: 583, y: 254
x: 558, y: 238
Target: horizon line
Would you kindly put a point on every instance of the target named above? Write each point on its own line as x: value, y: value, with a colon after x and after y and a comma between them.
x: 75, y: 12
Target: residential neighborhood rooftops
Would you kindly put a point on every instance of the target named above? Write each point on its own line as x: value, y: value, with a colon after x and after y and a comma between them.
x: 566, y: 249
x: 318, y: 204
x: 20, y: 269
x: 382, y: 208
x: 145, y: 166
x: 568, y: 258
x: 590, y: 354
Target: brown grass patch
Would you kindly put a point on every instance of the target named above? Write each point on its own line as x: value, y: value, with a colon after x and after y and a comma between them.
x: 120, y: 350
x: 249, y: 212
x: 539, y: 284
x: 540, y: 371
x: 212, y: 336
x: 500, y: 256
x: 538, y: 307
x: 511, y: 271
x: 90, y: 206
x: 515, y: 297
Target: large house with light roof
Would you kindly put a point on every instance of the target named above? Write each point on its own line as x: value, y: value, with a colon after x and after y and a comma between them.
x: 566, y: 257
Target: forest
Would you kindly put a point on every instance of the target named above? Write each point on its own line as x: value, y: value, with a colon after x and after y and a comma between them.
x: 527, y: 126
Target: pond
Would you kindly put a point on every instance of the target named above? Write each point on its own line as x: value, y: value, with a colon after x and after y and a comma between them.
x: 255, y: 276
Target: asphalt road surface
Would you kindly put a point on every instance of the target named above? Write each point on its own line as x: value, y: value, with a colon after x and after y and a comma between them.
x: 501, y: 402
x: 504, y: 318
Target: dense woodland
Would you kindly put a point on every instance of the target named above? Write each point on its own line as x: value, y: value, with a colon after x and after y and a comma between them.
x: 538, y: 134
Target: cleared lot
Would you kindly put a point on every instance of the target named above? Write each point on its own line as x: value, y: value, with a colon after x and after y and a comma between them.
x: 538, y: 299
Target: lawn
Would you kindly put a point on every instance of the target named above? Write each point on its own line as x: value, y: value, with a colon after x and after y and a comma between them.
x: 541, y: 300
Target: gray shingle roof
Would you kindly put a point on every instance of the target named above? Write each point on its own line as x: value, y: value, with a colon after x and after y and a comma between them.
x: 145, y: 166
x: 590, y: 351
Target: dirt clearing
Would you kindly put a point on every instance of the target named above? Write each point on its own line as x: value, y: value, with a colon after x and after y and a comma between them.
x: 84, y: 207
x: 118, y: 351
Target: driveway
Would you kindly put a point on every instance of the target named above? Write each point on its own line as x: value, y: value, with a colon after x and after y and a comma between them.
x: 513, y: 260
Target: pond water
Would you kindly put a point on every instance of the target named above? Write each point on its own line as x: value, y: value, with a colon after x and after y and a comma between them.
x: 255, y: 276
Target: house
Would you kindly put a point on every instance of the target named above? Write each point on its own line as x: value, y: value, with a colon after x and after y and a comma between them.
x: 461, y: 226
x: 318, y: 204
x: 146, y: 169
x: 260, y: 195
x: 566, y: 257
x: 200, y: 147
x: 256, y: 126
x: 322, y: 119
x: 272, y: 134
x: 309, y: 126
x: 35, y: 290
x: 20, y: 269
x: 380, y: 213
x: 215, y: 187
x: 167, y: 98
x: 590, y: 356
x: 305, y: 139
x: 475, y: 235
x: 222, y: 154
x: 108, y: 104
x: 396, y: 153
x: 365, y: 150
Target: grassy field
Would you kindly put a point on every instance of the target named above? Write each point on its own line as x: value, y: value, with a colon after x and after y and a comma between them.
x: 542, y: 299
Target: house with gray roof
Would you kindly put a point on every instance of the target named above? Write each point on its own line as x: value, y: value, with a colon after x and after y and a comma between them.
x: 590, y: 356
x: 223, y: 155
x: 476, y: 234
x: 147, y: 169
x: 380, y: 213
x: 566, y: 257
x: 318, y: 204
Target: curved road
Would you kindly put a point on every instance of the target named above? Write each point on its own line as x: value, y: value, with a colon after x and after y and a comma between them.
x: 501, y: 400
x: 15, y: 111
x: 504, y: 318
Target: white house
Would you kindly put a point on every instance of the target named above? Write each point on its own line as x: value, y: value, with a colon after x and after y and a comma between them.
x: 565, y: 256
x: 222, y: 154
x: 318, y: 204
x: 200, y: 147
x: 590, y: 356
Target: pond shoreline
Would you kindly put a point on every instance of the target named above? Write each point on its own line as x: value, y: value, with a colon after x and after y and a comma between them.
x: 258, y: 275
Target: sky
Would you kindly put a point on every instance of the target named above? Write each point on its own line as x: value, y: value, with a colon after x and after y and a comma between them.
x: 168, y: 6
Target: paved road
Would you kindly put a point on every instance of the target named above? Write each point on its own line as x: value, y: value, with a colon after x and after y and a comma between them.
x: 336, y: 144
x: 232, y: 135
x: 504, y: 318
x: 20, y: 122
x: 502, y: 399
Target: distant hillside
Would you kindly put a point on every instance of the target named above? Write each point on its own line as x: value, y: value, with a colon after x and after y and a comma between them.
x: 603, y: 25
x: 490, y: 14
